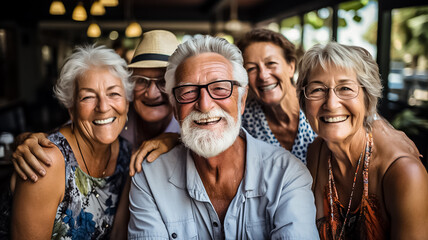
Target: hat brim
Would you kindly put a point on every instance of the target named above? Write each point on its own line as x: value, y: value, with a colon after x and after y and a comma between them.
x: 148, y: 64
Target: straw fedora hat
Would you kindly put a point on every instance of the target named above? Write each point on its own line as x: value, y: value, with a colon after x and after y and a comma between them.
x: 154, y: 49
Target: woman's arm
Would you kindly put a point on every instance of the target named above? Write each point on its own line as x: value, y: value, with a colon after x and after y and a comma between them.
x: 121, y: 219
x: 152, y: 149
x: 405, y: 187
x: 35, y: 204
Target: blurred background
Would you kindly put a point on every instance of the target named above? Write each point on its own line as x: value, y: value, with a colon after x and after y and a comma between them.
x: 36, y: 37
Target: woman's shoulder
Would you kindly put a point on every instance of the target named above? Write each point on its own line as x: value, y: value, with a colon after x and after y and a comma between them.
x: 391, y: 145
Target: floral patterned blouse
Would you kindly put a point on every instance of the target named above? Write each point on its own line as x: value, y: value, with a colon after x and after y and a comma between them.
x: 255, y: 122
x: 89, y: 205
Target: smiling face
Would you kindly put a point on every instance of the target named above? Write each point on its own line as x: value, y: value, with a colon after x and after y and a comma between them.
x: 269, y: 73
x: 101, y: 107
x: 151, y: 104
x: 208, y: 126
x: 332, y: 118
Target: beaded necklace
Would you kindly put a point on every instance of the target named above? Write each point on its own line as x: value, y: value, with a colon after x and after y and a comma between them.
x: 331, y: 185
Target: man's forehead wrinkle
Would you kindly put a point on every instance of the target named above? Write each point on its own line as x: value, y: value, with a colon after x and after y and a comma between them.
x: 204, y: 68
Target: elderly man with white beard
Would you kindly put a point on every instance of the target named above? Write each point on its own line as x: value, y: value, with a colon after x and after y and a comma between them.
x: 220, y: 183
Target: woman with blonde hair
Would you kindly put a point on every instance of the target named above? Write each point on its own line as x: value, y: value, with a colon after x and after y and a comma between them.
x: 368, y: 180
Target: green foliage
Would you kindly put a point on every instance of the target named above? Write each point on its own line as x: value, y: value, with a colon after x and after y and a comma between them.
x: 409, y: 122
x: 352, y: 6
x: 290, y: 22
x: 313, y: 19
x: 410, y: 32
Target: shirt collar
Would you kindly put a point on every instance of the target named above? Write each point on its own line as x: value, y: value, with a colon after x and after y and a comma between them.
x: 186, y: 175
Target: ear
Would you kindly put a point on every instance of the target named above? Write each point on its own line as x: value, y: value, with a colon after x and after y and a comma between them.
x: 292, y: 66
x: 175, y: 112
x: 244, y: 100
x: 71, y: 113
x: 127, y: 107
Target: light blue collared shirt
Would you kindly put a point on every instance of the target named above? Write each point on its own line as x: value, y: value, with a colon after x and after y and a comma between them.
x: 274, y: 200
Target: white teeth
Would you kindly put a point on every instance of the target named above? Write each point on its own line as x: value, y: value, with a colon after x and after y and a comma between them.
x: 268, y: 87
x: 335, y: 119
x: 104, y: 121
x: 207, y: 120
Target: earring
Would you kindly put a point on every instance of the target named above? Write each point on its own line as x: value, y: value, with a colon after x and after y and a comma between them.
x: 126, y: 124
x: 306, y: 120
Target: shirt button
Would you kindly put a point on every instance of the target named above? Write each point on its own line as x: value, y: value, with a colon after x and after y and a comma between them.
x: 174, y: 235
x: 215, y: 224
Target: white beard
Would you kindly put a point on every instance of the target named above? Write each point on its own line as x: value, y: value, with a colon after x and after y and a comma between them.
x: 209, y: 143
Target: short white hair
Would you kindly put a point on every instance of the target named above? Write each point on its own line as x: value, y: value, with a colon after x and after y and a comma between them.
x: 83, y: 59
x: 206, y: 44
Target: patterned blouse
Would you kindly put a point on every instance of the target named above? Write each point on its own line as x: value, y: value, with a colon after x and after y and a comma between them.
x: 89, y: 205
x: 255, y: 122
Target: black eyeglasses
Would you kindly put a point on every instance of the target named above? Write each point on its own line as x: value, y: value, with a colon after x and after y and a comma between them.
x: 217, y: 90
x: 143, y: 82
x: 317, y: 91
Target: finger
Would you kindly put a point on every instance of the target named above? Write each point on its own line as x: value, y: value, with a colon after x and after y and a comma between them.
x: 31, y: 159
x: 139, y: 157
x: 153, y: 155
x: 46, y: 143
x: 131, y: 165
x: 27, y: 170
x: 40, y: 155
x: 18, y: 170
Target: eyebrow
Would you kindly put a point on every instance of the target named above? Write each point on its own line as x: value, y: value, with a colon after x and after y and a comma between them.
x: 92, y: 90
x: 187, y: 83
x: 268, y: 58
x: 339, y: 81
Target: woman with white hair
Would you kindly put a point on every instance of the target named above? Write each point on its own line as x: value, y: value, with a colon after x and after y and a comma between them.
x: 79, y: 196
x: 368, y: 180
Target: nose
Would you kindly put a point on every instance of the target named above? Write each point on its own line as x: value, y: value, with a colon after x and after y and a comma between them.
x: 205, y: 103
x: 152, y: 91
x: 103, y: 104
x: 264, y: 73
x: 331, y: 100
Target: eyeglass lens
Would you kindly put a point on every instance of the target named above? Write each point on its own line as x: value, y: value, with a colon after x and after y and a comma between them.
x: 217, y: 90
x: 142, y: 82
x: 317, y: 91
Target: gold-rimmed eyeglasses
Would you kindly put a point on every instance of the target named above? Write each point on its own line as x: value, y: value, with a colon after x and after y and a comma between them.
x: 143, y: 82
x: 317, y: 91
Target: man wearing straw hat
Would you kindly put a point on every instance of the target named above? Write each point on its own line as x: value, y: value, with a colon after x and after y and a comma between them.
x: 149, y: 115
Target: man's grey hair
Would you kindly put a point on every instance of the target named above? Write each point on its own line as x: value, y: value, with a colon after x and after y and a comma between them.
x: 83, y: 59
x: 206, y: 44
x: 344, y: 57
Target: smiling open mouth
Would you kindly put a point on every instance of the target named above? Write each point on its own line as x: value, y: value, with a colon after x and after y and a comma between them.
x: 334, y: 119
x: 268, y: 87
x: 154, y: 104
x: 104, y: 121
x: 206, y: 121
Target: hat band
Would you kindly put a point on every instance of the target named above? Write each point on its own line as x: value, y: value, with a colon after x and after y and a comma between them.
x: 150, y: 56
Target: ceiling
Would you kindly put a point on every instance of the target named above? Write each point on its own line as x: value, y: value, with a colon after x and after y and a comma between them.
x: 253, y: 11
x: 34, y: 11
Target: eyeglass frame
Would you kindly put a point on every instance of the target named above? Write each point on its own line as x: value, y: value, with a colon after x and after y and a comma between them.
x: 149, y: 80
x: 232, y: 83
x: 334, y: 90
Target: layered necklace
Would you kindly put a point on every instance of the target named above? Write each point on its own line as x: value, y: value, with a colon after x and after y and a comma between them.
x: 332, y: 185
